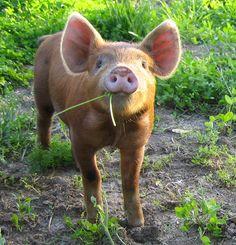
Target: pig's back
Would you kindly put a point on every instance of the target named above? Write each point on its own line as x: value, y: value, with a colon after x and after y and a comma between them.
x: 51, y: 79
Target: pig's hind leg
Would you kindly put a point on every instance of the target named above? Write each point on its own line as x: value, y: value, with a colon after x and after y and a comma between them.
x: 44, y: 117
x: 42, y: 96
x: 44, y: 125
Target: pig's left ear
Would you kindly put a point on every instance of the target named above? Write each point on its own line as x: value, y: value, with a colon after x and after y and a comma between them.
x: 78, y: 39
x: 163, y: 45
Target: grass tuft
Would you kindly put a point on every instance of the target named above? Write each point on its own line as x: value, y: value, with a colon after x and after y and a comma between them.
x: 58, y: 155
x: 16, y: 129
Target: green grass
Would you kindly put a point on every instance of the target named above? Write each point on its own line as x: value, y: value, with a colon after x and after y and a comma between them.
x: 202, y: 21
x: 202, y: 81
x: 210, y: 153
x: 218, y: 158
x: 16, y: 129
x: 58, y: 155
x: 21, y: 23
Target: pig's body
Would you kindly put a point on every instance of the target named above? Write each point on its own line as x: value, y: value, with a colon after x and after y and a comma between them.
x: 66, y: 75
x: 56, y: 90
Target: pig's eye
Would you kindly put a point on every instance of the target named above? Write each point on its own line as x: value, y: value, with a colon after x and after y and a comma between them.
x: 99, y: 64
x: 144, y: 64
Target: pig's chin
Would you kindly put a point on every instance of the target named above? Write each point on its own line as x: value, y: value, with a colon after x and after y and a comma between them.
x: 124, y: 104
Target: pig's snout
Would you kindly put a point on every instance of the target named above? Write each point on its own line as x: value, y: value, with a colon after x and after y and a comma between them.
x: 121, y: 80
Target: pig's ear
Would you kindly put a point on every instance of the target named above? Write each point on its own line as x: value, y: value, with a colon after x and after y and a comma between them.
x: 163, y: 45
x: 78, y: 37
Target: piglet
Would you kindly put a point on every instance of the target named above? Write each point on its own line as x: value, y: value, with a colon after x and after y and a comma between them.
x: 76, y: 65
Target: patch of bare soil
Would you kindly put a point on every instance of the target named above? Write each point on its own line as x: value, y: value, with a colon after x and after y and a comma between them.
x: 54, y: 194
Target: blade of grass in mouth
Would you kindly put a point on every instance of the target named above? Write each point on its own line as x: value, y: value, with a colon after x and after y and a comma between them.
x: 111, y: 110
x: 89, y: 101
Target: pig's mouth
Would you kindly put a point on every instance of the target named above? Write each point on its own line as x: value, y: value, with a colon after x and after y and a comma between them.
x: 126, y: 104
x: 121, y: 94
x: 120, y: 100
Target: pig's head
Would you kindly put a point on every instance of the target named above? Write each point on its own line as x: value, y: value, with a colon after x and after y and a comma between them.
x: 127, y: 70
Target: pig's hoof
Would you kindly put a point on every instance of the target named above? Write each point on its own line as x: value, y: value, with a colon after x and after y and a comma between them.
x: 92, y: 217
x: 77, y: 168
x: 126, y: 224
x: 92, y: 220
x: 146, y: 234
x: 135, y: 222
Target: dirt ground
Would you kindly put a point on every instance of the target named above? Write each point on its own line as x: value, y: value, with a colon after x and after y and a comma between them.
x: 54, y: 193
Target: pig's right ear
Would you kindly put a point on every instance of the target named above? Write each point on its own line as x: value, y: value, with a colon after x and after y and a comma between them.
x: 78, y: 37
x: 163, y: 45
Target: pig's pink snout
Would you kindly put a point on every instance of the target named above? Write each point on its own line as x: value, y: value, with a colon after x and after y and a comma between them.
x: 121, y: 80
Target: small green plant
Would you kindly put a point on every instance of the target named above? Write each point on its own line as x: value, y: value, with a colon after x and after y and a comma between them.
x: 202, y: 214
x: 146, y: 163
x: 157, y: 165
x: 156, y: 122
x: 157, y: 203
x: 209, y: 137
x: 59, y: 154
x: 104, y: 156
x: 2, y: 239
x: 83, y: 230
x: 77, y: 181
x: 226, y: 122
x: 104, y: 172
x: 104, y: 220
x: 164, y: 161
x: 6, y: 179
x: 107, y: 155
x: 89, y: 233
x: 227, y: 174
x: 30, y: 183
x: 24, y: 212
x: 211, y: 155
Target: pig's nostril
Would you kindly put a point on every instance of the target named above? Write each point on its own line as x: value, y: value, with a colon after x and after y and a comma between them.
x: 130, y: 80
x: 113, y: 79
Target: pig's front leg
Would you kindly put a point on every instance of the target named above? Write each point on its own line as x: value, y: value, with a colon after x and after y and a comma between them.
x: 86, y: 160
x: 131, y: 162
